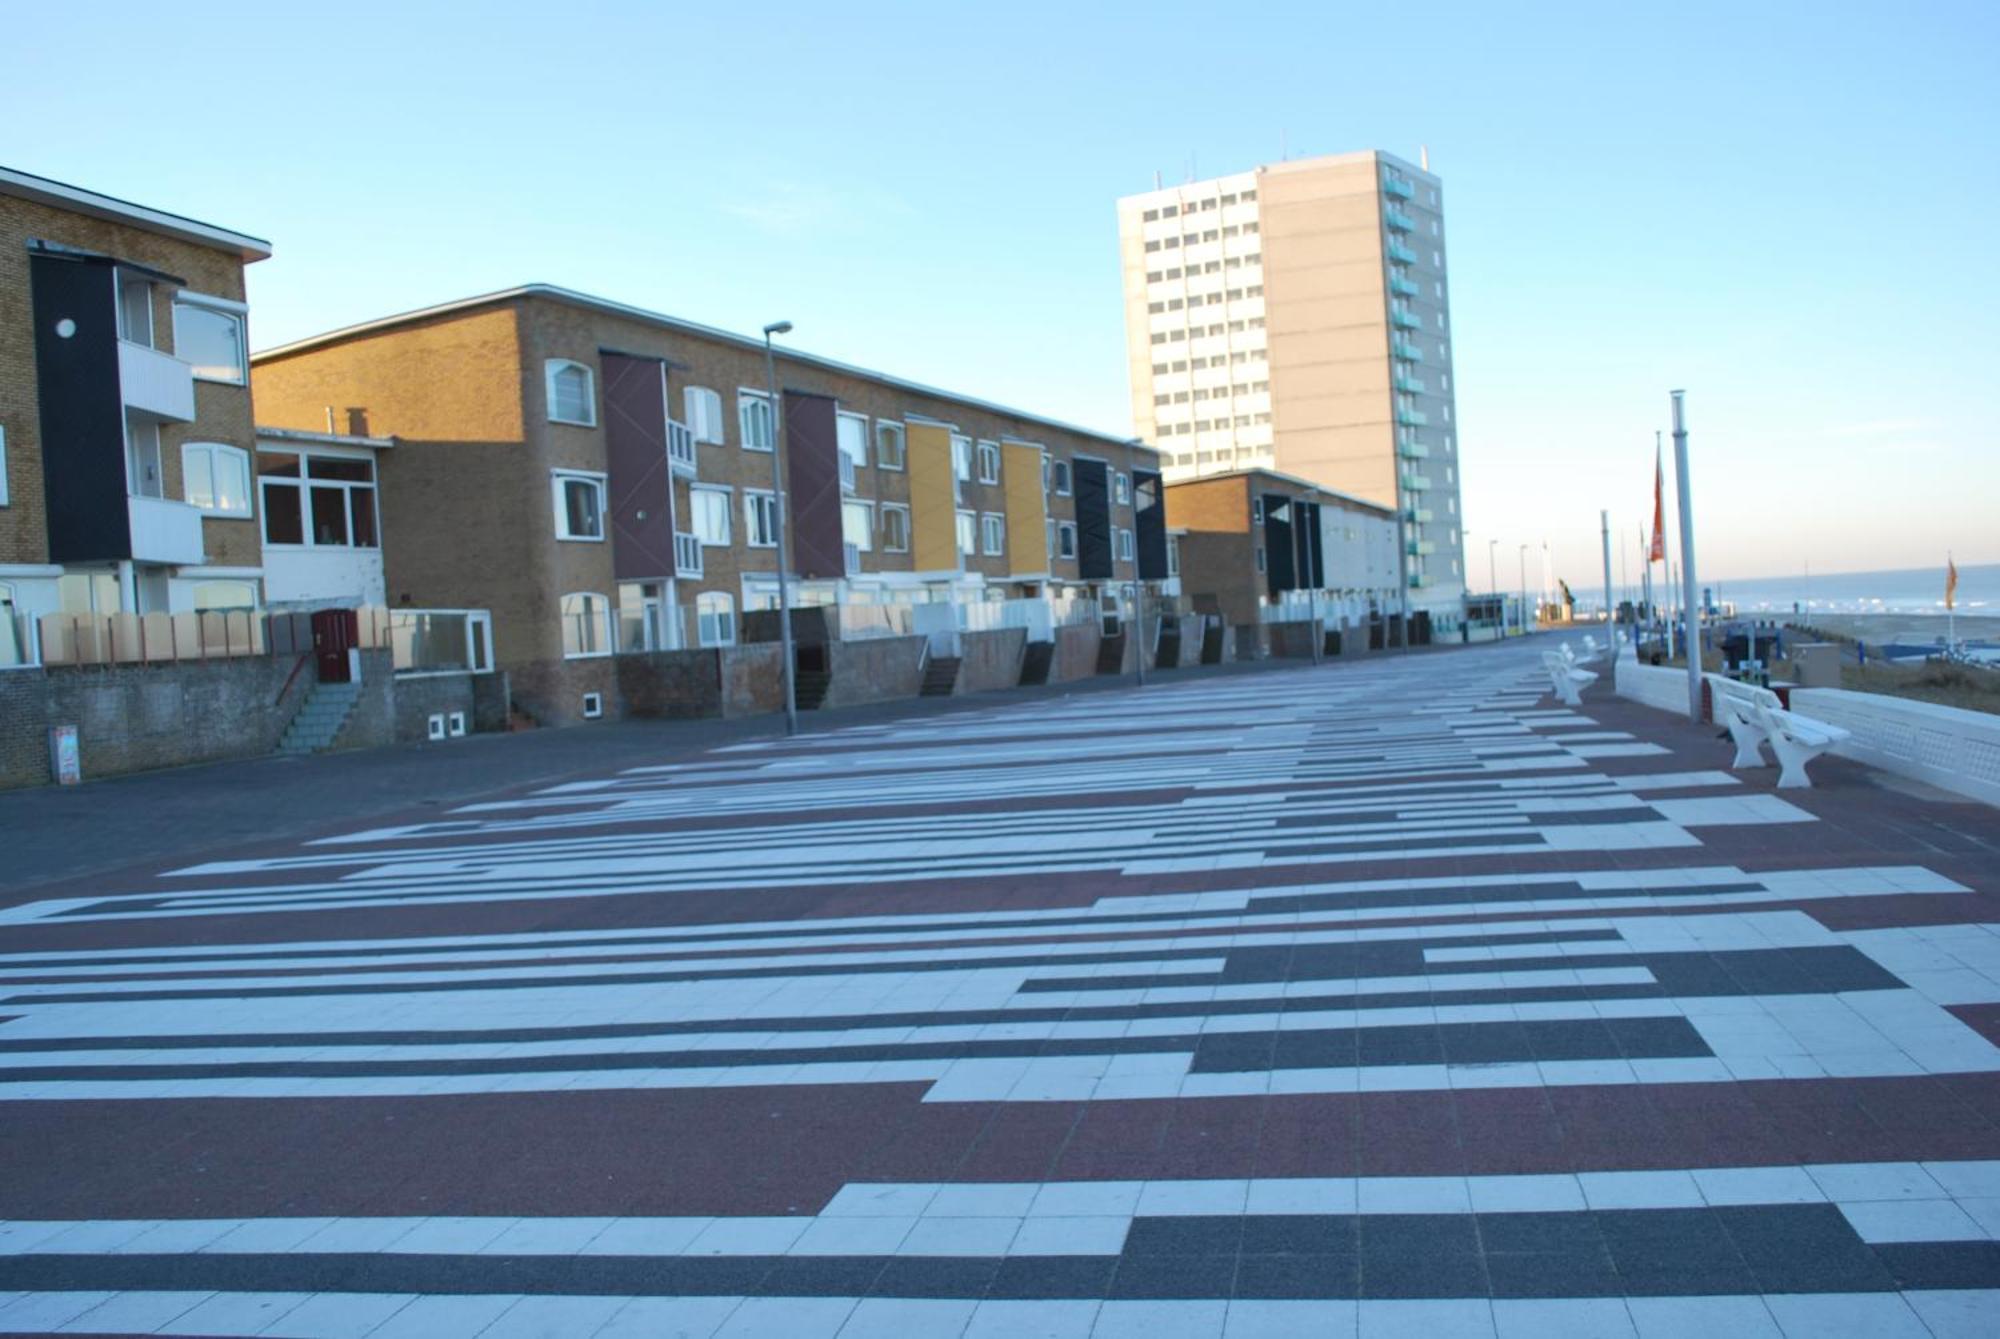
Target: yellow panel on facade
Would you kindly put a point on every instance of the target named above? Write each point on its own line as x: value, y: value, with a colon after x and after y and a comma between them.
x: 1027, y: 509
x: 933, y: 500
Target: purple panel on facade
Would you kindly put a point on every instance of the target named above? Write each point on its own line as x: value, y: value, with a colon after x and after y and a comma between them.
x: 812, y: 478
x: 641, y: 485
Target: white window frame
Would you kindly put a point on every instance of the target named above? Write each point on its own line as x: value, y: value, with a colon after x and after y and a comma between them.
x: 702, y: 408
x: 966, y: 523
x: 608, y: 631
x: 304, y: 483
x: 728, y: 513
x: 882, y: 517
x: 755, y: 500
x: 559, y: 481
x: 992, y: 534
x: 865, y: 508
x: 1173, y: 555
x: 745, y: 397
x: 1066, y: 540
x: 1121, y: 489
x: 555, y: 367
x: 3, y: 466
x: 704, y: 619
x: 989, y: 453
x: 887, y: 429
x: 849, y: 416
x: 213, y: 449
x: 1064, y: 477
x: 234, y: 312
x: 961, y: 458
x: 1122, y: 547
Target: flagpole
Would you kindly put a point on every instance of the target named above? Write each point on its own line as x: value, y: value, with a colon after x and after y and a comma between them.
x: 1690, y: 615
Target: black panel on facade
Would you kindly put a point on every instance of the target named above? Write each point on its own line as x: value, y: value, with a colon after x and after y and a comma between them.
x: 1093, y: 519
x: 1281, y: 568
x: 1149, y: 521
x: 82, y: 409
x: 812, y: 486
x: 635, y: 455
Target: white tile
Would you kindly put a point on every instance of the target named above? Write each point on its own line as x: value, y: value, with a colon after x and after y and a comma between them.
x: 647, y: 1236
x: 1758, y: 1185
x: 1150, y: 1320
x: 1845, y: 1316
x: 748, y: 1236
x: 1303, y: 1194
x: 340, y: 1315
x: 451, y: 1236
x: 1911, y: 1220
x: 1964, y: 1180
x: 1032, y: 1320
x: 884, y: 1200
x: 1414, y: 1194
x: 546, y: 1236
x: 137, y: 1312
x: 428, y: 1317
x: 1959, y: 1314
x: 1562, y: 1318
x: 787, y: 1318
x: 1411, y: 1318
x: 871, y: 1235
x: 973, y: 1200
x: 1640, y: 1190
x: 1071, y: 1234
x: 660, y: 1317
x: 908, y: 1318
x: 1160, y: 1198
x: 1524, y: 1194
x: 554, y: 1317
x: 960, y: 1236
x: 1271, y: 1319
x: 1702, y: 1318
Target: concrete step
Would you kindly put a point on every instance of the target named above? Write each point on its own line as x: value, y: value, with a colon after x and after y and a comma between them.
x: 941, y: 676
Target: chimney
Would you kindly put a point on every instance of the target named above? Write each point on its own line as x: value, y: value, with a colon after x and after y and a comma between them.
x: 357, y: 422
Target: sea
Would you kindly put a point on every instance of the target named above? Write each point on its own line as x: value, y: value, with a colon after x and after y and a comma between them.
x: 1917, y: 590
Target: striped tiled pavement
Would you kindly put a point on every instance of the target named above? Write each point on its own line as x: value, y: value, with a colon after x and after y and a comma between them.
x: 1379, y: 998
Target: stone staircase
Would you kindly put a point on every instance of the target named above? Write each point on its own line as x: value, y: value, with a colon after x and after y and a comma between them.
x: 1167, y: 654
x: 810, y: 687
x: 320, y: 719
x: 941, y: 676
x: 1037, y: 658
x: 1111, y: 654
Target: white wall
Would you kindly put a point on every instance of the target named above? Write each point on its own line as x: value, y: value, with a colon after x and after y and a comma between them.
x: 1661, y: 686
x: 1955, y: 750
x: 323, y: 576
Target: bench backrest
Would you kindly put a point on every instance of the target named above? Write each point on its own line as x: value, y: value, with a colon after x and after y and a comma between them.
x: 1732, y: 693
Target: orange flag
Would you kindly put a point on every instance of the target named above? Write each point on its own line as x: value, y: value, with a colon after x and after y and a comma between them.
x: 1659, y: 552
x: 1950, y: 583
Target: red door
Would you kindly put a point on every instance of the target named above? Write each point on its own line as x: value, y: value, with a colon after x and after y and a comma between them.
x: 335, y: 632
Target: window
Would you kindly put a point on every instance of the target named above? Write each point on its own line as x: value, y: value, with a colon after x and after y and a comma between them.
x: 3, y: 464
x: 216, y: 478
x: 572, y: 393
x: 889, y: 446
x: 895, y: 528
x: 209, y: 337
x: 1173, y: 555
x: 989, y: 462
x: 715, y: 618
x: 961, y: 457
x: 992, y: 534
x: 135, y: 309
x: 143, y: 477
x: 579, y: 501
x: 1260, y: 557
x: 17, y: 632
x: 1122, y: 543
x: 703, y: 408
x: 1257, y: 512
x: 1066, y: 539
x: 711, y: 516
x: 760, y: 520
x: 857, y: 525
x: 1121, y: 488
x: 317, y: 500
x: 968, y: 537
x: 851, y: 434
x: 1060, y: 472
x: 753, y: 420
x: 586, y: 626
x: 642, y: 616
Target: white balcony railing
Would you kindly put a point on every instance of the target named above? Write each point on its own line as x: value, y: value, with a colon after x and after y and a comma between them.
x: 687, y: 554
x: 846, y: 474
x: 155, y: 383
x: 163, y: 531
x: 850, y: 556
x: 441, y: 641
x: 680, y: 448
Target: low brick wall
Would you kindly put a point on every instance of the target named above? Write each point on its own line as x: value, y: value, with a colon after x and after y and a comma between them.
x: 418, y: 699
x: 136, y: 718
x: 752, y: 679
x: 874, y: 669
x: 992, y: 659
x: 552, y: 691
x: 671, y: 685
x: 1293, y: 641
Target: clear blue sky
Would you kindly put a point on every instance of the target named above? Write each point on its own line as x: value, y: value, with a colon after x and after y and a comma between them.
x: 1787, y: 211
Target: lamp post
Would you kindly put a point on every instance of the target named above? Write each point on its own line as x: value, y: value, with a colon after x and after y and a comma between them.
x: 1690, y: 611
x: 1493, y: 582
x: 778, y: 501
x: 1524, y: 590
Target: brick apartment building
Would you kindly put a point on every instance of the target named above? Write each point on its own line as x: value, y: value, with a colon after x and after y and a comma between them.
x: 1256, y: 546
x: 126, y: 433
x: 600, y: 477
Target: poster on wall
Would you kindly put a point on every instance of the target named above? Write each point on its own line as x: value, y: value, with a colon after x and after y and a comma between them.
x: 65, y: 759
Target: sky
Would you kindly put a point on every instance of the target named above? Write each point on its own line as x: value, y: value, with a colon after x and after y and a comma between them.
x: 1784, y: 208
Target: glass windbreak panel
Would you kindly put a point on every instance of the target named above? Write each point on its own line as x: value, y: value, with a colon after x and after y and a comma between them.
x: 362, y: 507
x: 336, y: 467
x: 278, y: 464
x: 283, y: 523
x: 225, y: 595
x: 211, y: 341
x: 135, y: 310
x: 329, y: 516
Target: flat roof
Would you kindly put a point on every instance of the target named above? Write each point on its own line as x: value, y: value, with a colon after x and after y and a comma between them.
x: 306, y: 436
x: 62, y: 195
x: 1293, y: 479
x: 554, y: 293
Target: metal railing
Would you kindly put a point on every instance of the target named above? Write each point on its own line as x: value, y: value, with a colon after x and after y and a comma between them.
x: 846, y: 472
x: 139, y: 639
x: 441, y: 641
x: 680, y: 448
x: 863, y: 622
x: 1073, y: 611
x: 687, y: 555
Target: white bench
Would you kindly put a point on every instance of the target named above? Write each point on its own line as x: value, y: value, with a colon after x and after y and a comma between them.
x: 1755, y: 717
x: 1565, y: 676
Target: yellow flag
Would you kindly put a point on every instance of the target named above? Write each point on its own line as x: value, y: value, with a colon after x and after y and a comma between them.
x: 1950, y: 583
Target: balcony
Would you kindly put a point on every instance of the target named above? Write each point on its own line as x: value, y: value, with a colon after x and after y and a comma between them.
x: 687, y: 555
x: 1419, y: 580
x: 1413, y: 451
x: 1401, y: 254
x: 1405, y: 319
x: 1399, y: 188
x: 163, y: 531
x: 1421, y: 548
x: 1407, y: 351
x: 1416, y: 483
x: 1398, y: 221
x: 1402, y: 287
x: 1412, y: 418
x: 155, y: 383
x: 1409, y: 385
x: 680, y: 449
x: 1417, y: 515
x: 846, y: 473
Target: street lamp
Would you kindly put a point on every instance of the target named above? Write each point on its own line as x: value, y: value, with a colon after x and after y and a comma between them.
x: 778, y: 501
x: 1524, y: 590
x: 1493, y: 582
